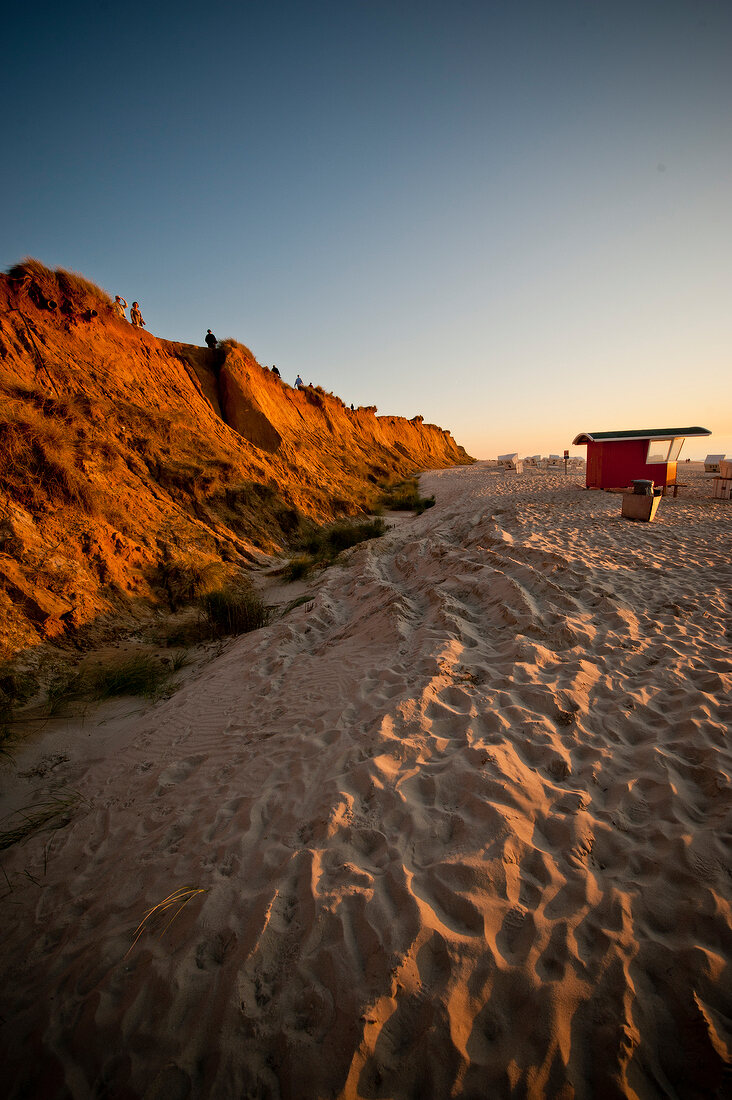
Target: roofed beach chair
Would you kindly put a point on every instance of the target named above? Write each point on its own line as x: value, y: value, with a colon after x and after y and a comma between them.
x: 511, y: 463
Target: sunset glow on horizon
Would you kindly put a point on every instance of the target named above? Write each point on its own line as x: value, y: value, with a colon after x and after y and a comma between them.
x: 513, y: 219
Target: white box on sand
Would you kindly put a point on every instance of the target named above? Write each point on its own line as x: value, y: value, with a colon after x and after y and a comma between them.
x: 722, y: 488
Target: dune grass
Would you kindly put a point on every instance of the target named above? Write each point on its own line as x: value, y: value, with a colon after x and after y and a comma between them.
x: 41, y: 463
x: 141, y: 674
x: 232, y: 611
x: 322, y: 546
x: 185, y: 579
x: 61, y: 686
x: 299, y: 568
x: 405, y: 496
x: 54, y: 813
x: 70, y: 283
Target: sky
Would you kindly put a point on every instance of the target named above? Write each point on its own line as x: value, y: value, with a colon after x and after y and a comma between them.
x: 512, y: 217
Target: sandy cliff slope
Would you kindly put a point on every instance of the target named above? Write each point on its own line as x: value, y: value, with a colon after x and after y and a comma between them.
x: 121, y: 451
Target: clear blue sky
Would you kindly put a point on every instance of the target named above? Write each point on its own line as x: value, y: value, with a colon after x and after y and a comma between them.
x: 512, y: 217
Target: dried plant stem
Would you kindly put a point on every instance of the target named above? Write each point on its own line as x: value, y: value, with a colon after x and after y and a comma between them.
x: 178, y: 898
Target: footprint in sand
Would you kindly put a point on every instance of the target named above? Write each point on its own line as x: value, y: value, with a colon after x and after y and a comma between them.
x: 178, y: 772
x: 434, y: 963
x: 517, y: 934
x: 552, y: 963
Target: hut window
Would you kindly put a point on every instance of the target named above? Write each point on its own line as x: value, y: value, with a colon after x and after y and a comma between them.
x: 676, y: 446
x: 658, y: 450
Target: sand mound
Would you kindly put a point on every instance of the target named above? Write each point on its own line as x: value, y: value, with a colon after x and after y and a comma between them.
x: 462, y: 824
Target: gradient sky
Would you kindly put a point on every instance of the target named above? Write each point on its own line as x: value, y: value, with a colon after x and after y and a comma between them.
x: 512, y: 217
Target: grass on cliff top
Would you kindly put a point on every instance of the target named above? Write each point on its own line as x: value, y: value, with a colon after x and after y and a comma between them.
x: 59, y: 282
x: 322, y: 546
x: 230, y: 344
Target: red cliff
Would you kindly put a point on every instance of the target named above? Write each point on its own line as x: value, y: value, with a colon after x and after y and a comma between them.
x: 120, y: 449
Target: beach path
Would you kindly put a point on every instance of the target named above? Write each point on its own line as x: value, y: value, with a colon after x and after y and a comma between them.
x: 457, y: 826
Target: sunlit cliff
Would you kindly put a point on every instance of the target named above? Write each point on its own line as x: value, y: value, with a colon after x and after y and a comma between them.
x: 122, y: 451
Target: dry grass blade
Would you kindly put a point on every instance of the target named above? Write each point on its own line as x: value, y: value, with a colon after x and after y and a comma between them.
x: 182, y: 896
x: 54, y: 813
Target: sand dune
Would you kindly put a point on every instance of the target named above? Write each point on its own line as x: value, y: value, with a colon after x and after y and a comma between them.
x: 462, y: 822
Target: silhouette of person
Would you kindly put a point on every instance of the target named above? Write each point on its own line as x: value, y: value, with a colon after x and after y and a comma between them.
x: 275, y: 371
x: 211, y: 340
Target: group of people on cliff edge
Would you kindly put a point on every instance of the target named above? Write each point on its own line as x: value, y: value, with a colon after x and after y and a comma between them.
x: 119, y: 307
x: 212, y: 343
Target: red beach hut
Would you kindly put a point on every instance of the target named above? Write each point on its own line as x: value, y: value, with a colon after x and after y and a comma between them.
x: 615, y: 459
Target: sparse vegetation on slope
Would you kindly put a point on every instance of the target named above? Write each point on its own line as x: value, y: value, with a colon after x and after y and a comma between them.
x: 38, y: 437
x: 405, y: 496
x: 138, y: 474
x: 229, y: 611
x: 140, y: 674
x: 17, y: 686
x: 53, y: 812
x: 322, y: 546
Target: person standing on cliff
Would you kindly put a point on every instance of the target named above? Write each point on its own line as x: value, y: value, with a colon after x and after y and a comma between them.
x: 211, y: 340
x: 299, y: 384
x: 119, y: 307
x: 135, y: 316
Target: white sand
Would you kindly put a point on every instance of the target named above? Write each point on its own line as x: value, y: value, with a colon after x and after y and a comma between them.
x: 462, y: 823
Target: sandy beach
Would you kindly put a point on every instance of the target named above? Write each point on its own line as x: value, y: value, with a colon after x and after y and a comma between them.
x: 456, y: 826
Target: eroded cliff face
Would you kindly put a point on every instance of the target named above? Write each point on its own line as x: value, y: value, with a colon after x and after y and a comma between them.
x: 123, y: 454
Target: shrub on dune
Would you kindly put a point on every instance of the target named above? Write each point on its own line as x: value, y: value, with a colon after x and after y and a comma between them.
x: 406, y: 497
x: 323, y: 546
x: 232, y: 611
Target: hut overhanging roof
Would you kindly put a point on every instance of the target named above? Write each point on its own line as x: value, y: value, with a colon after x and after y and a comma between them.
x: 644, y: 433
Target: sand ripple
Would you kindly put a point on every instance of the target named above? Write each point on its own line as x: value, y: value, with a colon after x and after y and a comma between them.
x: 463, y: 823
